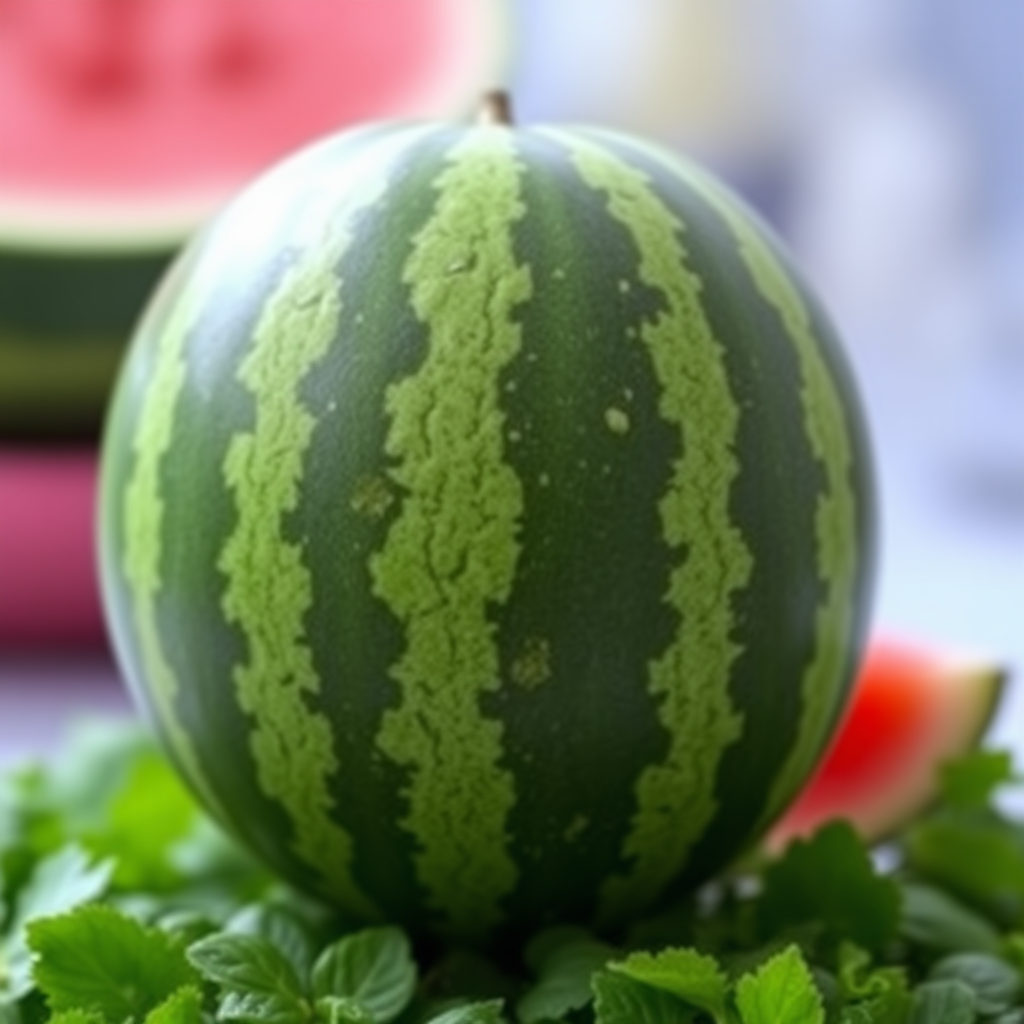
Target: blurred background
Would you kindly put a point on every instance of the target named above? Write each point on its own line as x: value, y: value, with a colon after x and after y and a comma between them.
x: 883, y: 139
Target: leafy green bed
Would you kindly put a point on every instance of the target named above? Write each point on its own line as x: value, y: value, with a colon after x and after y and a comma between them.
x: 120, y: 902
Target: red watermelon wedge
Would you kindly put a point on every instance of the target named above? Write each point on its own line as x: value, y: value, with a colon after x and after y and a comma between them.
x: 914, y: 706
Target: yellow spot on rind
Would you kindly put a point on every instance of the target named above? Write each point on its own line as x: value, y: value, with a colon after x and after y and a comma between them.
x: 373, y: 497
x: 532, y: 667
x: 617, y: 420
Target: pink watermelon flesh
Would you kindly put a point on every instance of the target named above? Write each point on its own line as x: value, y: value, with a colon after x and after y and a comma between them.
x: 102, y: 96
x: 914, y: 706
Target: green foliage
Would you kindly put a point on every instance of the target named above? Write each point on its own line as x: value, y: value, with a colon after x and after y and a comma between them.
x: 99, y: 925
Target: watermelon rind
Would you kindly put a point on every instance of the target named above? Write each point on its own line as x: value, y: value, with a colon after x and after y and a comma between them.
x: 488, y: 524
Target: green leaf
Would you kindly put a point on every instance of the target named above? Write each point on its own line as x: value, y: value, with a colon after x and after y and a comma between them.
x: 374, y: 967
x: 77, y: 1017
x: 96, y: 959
x: 943, y: 1002
x: 342, y: 1010
x: 257, y: 982
x: 472, y: 1013
x: 565, y: 960
x: 972, y: 781
x: 693, y: 977
x: 860, y: 979
x: 831, y: 880
x: 620, y: 999
x: 875, y: 995
x: 888, y: 1009
x: 183, y: 1006
x: 978, y: 857
x: 782, y: 991
x: 149, y: 812
x: 935, y: 920
x: 281, y: 928
x: 60, y: 882
x: 996, y: 984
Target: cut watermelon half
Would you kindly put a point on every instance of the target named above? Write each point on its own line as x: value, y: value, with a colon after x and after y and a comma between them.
x: 914, y: 706
x: 126, y: 125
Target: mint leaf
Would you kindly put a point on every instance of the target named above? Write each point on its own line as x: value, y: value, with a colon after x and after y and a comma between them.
x: 341, y: 1010
x: 184, y: 1006
x: 374, y: 967
x: 565, y: 960
x: 977, y: 856
x: 693, y: 977
x: 96, y: 959
x: 859, y: 979
x: 620, y: 999
x: 781, y: 991
x: 996, y: 984
x: 281, y: 928
x: 149, y: 812
x: 933, y: 919
x: 257, y: 982
x: 874, y: 995
x: 77, y: 1017
x: 830, y: 880
x: 60, y: 882
x: 472, y: 1013
x: 972, y: 781
x: 943, y: 1002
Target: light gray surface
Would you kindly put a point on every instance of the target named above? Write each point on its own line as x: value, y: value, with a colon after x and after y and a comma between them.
x: 42, y: 696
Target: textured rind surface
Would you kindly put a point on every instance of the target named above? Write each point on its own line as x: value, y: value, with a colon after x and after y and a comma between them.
x: 488, y: 525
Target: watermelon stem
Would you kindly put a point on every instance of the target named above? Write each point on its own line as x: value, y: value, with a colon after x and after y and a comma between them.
x: 495, y: 108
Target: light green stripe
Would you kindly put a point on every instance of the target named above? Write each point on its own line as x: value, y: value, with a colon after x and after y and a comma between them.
x: 143, y: 512
x: 836, y: 514
x: 690, y: 680
x: 269, y: 586
x: 451, y: 554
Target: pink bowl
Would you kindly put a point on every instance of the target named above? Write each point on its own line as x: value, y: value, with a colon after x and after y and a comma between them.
x: 49, y: 594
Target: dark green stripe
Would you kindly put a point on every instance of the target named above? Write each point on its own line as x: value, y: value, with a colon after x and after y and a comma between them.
x: 676, y: 798
x: 269, y: 589
x: 248, y: 255
x: 837, y: 526
x: 586, y: 611
x: 450, y: 555
x: 347, y: 515
x: 774, y: 496
x: 836, y: 443
x: 143, y: 509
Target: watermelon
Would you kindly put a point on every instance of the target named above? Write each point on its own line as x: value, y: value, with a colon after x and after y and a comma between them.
x: 487, y: 523
x: 125, y: 125
x: 915, y: 705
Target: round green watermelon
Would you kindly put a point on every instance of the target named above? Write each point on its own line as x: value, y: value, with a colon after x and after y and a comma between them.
x: 125, y: 125
x: 487, y: 524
